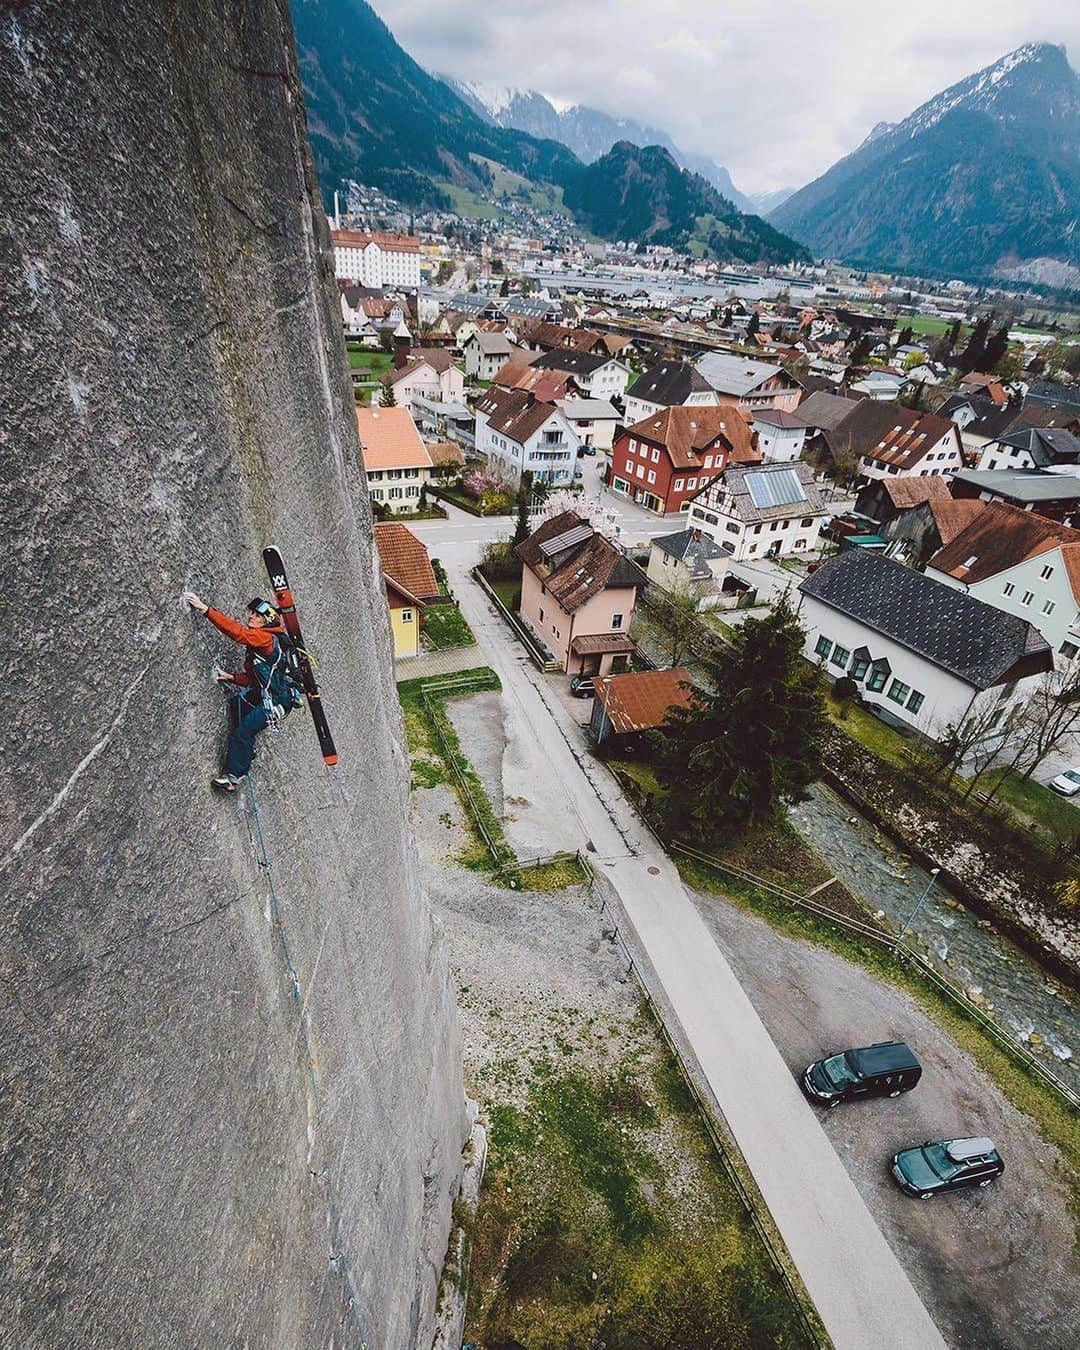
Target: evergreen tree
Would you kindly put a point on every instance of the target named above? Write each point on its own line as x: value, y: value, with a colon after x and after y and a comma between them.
x: 861, y: 350
x: 752, y: 744
x: 388, y: 398
x: 752, y: 326
x: 907, y: 336
x: 524, y: 498
x: 973, y: 356
x: 996, y: 347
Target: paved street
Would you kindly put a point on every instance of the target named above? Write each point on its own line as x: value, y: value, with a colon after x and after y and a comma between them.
x: 861, y: 1292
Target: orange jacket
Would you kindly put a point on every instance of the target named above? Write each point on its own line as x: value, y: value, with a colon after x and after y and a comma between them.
x: 260, y: 640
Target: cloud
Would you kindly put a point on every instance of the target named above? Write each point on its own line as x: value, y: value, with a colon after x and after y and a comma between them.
x: 776, y: 90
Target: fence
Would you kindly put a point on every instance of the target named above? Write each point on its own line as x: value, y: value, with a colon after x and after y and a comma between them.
x: 539, y: 660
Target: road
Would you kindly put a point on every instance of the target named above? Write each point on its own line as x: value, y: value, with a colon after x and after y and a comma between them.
x: 862, y: 1293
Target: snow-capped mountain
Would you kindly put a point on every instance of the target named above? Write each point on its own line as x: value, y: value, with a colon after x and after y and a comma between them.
x: 589, y: 132
x: 982, y: 179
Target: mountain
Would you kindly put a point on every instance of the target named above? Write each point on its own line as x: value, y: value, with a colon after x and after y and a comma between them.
x: 982, y: 180
x: 763, y: 203
x: 589, y: 132
x: 641, y: 193
x: 376, y: 116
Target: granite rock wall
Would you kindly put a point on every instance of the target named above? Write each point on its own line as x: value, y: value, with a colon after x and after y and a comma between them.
x: 232, y: 1107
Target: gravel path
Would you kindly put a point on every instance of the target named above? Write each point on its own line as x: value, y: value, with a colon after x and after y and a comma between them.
x: 994, y: 1267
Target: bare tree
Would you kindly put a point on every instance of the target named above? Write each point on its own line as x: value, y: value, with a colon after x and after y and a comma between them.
x: 1049, y: 714
x: 975, y: 740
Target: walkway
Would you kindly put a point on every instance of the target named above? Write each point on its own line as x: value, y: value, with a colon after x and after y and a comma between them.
x: 438, y: 663
x: 859, y: 1288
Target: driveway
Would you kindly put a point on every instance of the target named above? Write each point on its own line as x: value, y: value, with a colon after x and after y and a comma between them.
x: 995, y: 1267
x: 861, y: 1291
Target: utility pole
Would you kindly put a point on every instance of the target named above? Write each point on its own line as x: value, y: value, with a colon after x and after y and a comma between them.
x: 918, y: 903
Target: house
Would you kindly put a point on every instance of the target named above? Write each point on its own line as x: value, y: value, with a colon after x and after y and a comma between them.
x: 882, y: 385
x: 428, y: 373
x: 410, y: 582
x: 376, y: 259
x: 447, y: 458
x: 763, y: 510
x: 919, y: 531
x: 515, y: 431
x: 781, y: 434
x: 395, y: 459
x: 485, y: 352
x: 989, y: 386
x: 577, y: 594
x: 593, y: 419
x: 888, y: 439
x: 547, y: 385
x: 597, y: 375
x: 637, y: 701
x: 748, y: 383
x: 924, y: 655
x: 669, y: 384
x: 664, y: 459
x: 1031, y: 447
x: 882, y: 499
x: 1021, y: 563
x: 686, y: 562
x: 1056, y: 495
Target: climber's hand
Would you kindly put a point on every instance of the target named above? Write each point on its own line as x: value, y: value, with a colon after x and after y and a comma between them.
x: 222, y: 676
x: 195, y: 603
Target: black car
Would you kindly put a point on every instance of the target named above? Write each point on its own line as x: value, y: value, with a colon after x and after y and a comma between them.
x: 581, y: 686
x: 883, y: 1070
x: 951, y: 1165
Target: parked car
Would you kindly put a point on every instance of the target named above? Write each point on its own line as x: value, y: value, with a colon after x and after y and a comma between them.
x: 581, y: 686
x: 588, y: 449
x: 951, y: 1165
x: 1067, y: 783
x: 882, y: 1070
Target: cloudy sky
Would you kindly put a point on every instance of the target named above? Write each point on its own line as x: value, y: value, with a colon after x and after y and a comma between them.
x: 776, y: 90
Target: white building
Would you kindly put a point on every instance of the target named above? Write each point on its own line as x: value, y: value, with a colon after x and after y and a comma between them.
x: 376, y: 260
x: 760, y: 510
x: 781, y: 435
x: 1023, y: 564
x: 926, y: 655
x: 668, y: 384
x: 395, y: 459
x: 429, y: 374
x: 1050, y: 448
x: 594, y: 421
x: 596, y: 375
x: 517, y: 432
x: 485, y: 354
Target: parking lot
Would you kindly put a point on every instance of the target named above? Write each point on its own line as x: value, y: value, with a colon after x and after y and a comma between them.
x: 995, y: 1267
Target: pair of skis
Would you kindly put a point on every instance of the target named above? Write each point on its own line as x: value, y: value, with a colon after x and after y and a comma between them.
x: 286, y: 607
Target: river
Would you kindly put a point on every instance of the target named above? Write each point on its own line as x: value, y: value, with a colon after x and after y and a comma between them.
x: 998, y: 976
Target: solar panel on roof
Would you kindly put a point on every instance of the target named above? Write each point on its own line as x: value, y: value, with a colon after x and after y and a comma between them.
x: 577, y: 534
x: 778, y: 488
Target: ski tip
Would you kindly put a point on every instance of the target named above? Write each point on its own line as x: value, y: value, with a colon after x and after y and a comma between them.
x: 330, y: 760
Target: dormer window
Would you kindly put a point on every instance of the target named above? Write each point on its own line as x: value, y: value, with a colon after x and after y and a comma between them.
x: 1046, y: 573
x: 970, y: 562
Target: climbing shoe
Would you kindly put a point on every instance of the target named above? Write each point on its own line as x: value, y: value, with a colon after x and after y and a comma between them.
x: 225, y: 783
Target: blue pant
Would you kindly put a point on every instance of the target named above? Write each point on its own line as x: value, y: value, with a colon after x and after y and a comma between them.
x: 253, y: 720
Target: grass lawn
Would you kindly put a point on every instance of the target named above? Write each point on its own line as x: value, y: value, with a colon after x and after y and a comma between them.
x: 871, y: 731
x: 507, y: 591
x: 445, y: 625
x: 378, y: 362
x: 468, y: 203
x: 1058, y: 814
x: 929, y: 325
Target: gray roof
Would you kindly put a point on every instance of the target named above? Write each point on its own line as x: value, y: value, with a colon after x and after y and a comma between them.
x: 1022, y: 485
x: 668, y: 383
x: 947, y: 627
x: 528, y: 306
x: 825, y: 410
x: 588, y: 407
x: 731, y: 374
x: 1046, y: 445
x: 779, y: 417
x: 761, y: 492
x: 492, y: 344
x: 466, y: 303
x: 690, y: 547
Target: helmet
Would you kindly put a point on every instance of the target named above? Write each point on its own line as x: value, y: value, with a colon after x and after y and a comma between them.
x: 262, y: 607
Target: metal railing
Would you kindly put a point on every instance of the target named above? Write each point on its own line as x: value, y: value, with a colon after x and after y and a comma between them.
x: 543, y: 663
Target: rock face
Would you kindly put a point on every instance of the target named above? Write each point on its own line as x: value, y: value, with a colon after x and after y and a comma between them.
x: 196, y: 1149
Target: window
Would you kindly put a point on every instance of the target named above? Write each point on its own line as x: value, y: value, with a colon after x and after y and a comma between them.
x: 406, y: 616
x: 916, y: 701
x: 1046, y: 573
x: 840, y: 655
x: 898, y: 691
x: 860, y: 664
x: 677, y: 486
x: 823, y: 648
x: 616, y: 620
x: 879, y: 674
x: 806, y: 522
x: 998, y: 715
x: 708, y: 461
x: 620, y: 485
x: 1069, y: 650
x: 691, y: 484
x: 641, y: 470
x: 1048, y: 608
x: 541, y: 616
x: 656, y: 456
x: 1027, y: 597
x: 970, y: 562
x: 652, y: 476
x: 757, y: 529
x: 1008, y: 588
x: 732, y: 527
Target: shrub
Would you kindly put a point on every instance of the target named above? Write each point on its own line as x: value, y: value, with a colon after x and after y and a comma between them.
x: 498, y: 562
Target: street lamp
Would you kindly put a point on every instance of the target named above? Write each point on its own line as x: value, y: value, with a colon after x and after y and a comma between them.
x: 918, y: 904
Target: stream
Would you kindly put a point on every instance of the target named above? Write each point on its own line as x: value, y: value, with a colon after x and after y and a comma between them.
x: 997, y: 976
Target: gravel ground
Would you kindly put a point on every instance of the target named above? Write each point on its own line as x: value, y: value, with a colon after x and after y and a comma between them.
x: 995, y: 1267
x: 478, y: 721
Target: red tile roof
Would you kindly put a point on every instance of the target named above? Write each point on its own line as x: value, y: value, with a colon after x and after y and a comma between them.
x: 642, y: 699
x: 688, y: 432
x: 389, y: 439
x: 590, y: 567
x: 914, y: 491
x: 951, y: 514
x: 1001, y: 536
x: 404, y: 560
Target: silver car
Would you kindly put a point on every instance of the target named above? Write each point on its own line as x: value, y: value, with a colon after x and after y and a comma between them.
x: 1067, y: 783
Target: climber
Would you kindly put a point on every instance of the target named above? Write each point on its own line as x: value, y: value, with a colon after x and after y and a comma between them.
x: 266, y: 689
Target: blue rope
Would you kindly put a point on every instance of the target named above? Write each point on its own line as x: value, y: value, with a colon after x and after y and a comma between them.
x: 337, y: 1255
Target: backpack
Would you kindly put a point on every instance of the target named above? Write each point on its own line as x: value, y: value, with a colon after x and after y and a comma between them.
x: 280, y: 676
